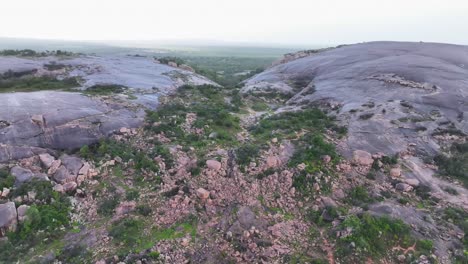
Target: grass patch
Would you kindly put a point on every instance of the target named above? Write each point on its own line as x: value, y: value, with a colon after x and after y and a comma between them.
x: 6, y: 179
x: 455, y: 164
x: 375, y: 236
x: 133, y: 234
x: 105, y: 89
x: 30, y: 84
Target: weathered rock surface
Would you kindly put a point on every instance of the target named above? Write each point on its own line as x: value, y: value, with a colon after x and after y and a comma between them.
x: 23, y: 175
x: 64, y: 120
x: 387, y: 81
x: 8, y: 152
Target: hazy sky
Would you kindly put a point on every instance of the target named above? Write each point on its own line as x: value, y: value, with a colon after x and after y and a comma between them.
x: 255, y: 21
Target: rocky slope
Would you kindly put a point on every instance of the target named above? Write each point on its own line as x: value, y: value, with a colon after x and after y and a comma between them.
x: 274, y: 173
x: 393, y: 97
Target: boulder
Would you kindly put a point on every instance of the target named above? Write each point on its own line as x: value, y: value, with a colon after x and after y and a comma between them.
x: 70, y: 186
x: 186, y: 67
x: 85, y: 169
x: 203, y: 194
x: 395, y: 172
x: 59, y: 188
x: 38, y: 120
x: 46, y: 160
x: 272, y: 161
x: 73, y: 164
x: 63, y: 175
x: 54, y: 167
x: 213, y: 164
x: 5, y: 192
x: 361, y: 157
x: 403, y: 187
x: 8, y: 218
x: 22, y: 210
x: 412, y: 182
x: 125, y: 207
x: 326, y: 159
x: 23, y: 175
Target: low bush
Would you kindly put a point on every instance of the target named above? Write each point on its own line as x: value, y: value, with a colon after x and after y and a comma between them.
x: 246, y: 153
x: 455, y: 165
x: 6, y: 179
x: 359, y: 196
x: 28, y: 84
x: 105, y: 89
x: 373, y: 236
x: 106, y: 207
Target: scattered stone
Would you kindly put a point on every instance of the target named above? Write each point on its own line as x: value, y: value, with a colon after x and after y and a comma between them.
x: 38, y: 120
x: 85, y: 170
x: 412, y: 182
x: 22, y: 209
x: 274, y: 140
x: 361, y: 157
x: 46, y: 160
x: 63, y: 175
x: 59, y: 188
x: 73, y: 164
x: 23, y: 175
x: 403, y: 187
x: 272, y: 161
x: 125, y: 207
x: 213, y: 164
x: 54, y: 167
x: 70, y: 186
x: 395, y: 172
x: 186, y: 67
x: 326, y: 159
x: 203, y: 194
x: 185, y: 242
x: 401, y: 258
x: 5, y: 192
x: 213, y: 135
x: 8, y: 218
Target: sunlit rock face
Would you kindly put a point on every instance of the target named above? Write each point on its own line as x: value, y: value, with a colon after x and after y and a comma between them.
x: 389, y: 94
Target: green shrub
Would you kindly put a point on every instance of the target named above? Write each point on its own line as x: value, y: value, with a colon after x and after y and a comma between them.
x: 246, y: 154
x: 310, y: 151
x: 132, y: 195
x: 425, y: 245
x: 28, y: 84
x: 6, y: 179
x: 105, y: 89
x: 127, y: 231
x: 373, y: 236
x: 359, y: 195
x: 144, y: 209
x: 107, y: 206
x: 455, y: 165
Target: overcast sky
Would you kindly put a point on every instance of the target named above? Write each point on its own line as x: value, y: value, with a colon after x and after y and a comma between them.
x: 292, y: 22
